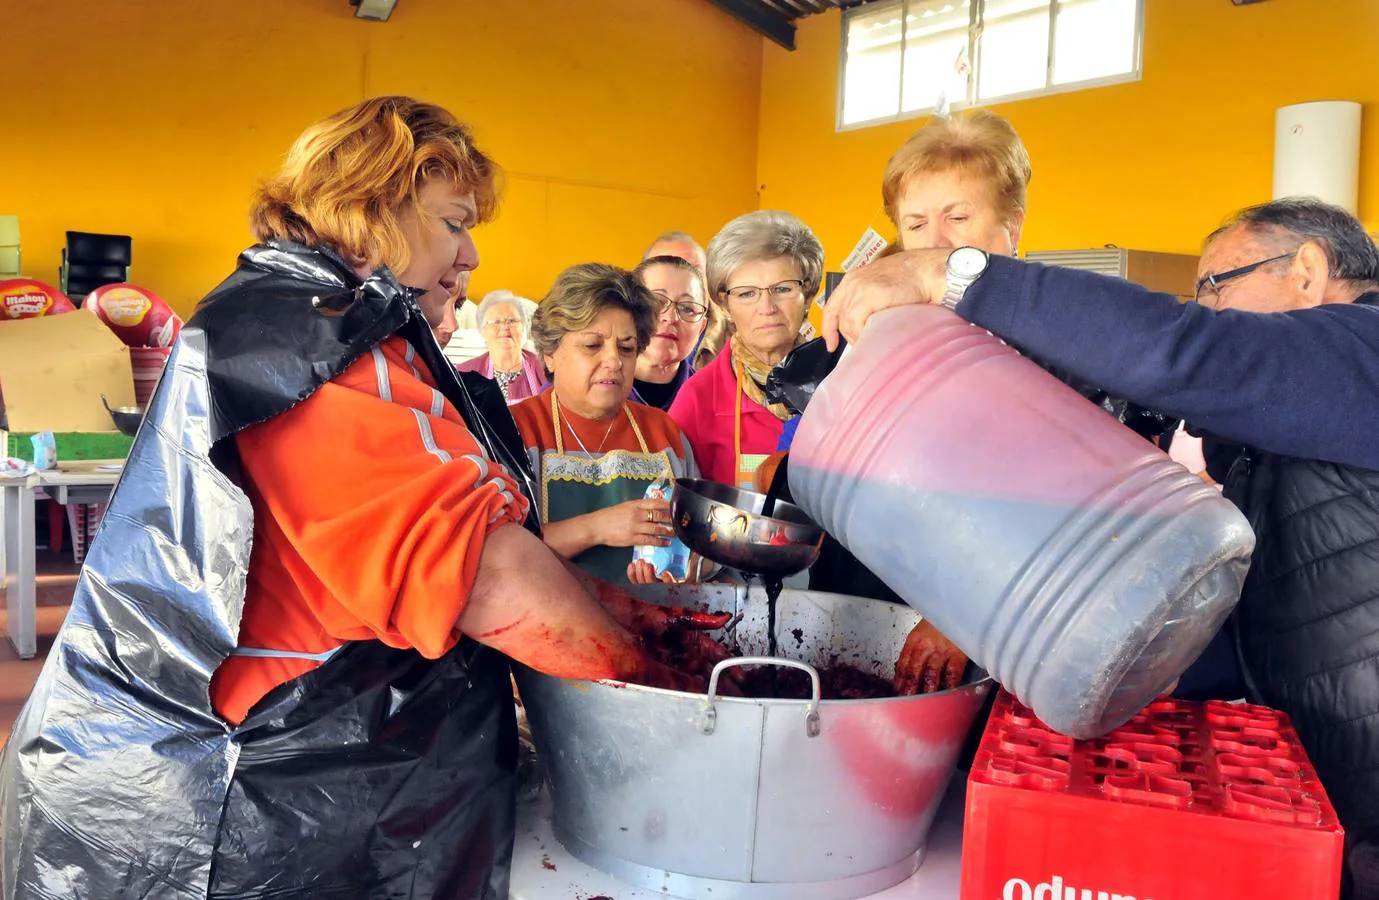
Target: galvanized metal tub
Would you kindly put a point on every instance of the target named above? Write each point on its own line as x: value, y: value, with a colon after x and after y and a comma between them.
x: 715, y: 798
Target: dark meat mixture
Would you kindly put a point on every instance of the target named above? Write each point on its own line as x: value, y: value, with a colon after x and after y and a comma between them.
x: 838, y: 680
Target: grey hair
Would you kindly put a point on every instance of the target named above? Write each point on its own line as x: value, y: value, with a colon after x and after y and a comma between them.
x: 1350, y: 252
x: 672, y: 237
x: 521, y: 305
x: 765, y: 234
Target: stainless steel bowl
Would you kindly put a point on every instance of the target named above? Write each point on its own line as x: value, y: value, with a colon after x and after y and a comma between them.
x: 725, y: 525
x: 126, y: 418
x: 710, y: 797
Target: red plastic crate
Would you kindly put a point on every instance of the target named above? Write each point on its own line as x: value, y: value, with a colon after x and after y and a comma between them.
x: 1186, y: 801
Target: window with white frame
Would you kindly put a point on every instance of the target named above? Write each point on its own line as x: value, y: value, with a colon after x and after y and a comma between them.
x: 908, y: 57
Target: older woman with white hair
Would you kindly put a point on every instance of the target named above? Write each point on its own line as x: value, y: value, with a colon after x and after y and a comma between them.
x: 503, y: 321
x: 764, y: 269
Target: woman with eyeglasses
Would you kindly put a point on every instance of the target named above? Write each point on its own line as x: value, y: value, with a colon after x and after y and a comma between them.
x: 764, y: 269
x: 664, y: 366
x: 595, y: 452
x: 503, y: 324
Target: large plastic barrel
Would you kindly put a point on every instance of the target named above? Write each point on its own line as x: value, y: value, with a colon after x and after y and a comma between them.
x: 1073, y: 560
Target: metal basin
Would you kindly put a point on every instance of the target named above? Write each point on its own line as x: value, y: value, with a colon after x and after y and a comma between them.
x: 126, y: 418
x: 709, y: 798
x: 724, y: 524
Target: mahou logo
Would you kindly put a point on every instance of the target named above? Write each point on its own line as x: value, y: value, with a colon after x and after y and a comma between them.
x: 23, y: 305
x: 125, y: 306
x: 1055, y: 889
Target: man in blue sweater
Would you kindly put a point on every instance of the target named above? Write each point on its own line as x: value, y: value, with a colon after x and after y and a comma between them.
x: 1278, y: 363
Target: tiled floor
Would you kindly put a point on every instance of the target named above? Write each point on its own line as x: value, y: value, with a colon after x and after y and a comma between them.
x: 57, y: 577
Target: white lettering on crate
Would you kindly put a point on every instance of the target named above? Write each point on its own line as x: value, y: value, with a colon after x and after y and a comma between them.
x: 1055, y: 889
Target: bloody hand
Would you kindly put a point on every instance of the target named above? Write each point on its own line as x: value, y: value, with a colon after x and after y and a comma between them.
x: 650, y: 620
x: 929, y: 662
x: 674, y: 639
x: 695, y: 653
x: 676, y: 636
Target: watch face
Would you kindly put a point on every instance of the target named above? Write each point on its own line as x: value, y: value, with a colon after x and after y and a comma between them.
x: 967, y: 262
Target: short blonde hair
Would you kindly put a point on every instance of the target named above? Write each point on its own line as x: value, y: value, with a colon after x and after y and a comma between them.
x: 979, y: 143
x: 580, y: 293
x: 349, y: 178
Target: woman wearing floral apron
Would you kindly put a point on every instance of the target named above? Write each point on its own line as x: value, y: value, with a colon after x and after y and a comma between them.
x: 595, y: 452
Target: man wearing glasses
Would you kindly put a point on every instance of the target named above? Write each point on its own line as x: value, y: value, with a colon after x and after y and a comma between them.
x: 1278, y: 363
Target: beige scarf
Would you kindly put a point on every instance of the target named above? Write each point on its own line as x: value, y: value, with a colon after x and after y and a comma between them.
x: 752, y: 374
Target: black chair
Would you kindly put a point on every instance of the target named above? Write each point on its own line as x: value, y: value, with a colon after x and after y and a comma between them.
x: 91, y: 260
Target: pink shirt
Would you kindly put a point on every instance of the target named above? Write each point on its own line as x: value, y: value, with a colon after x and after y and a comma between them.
x: 528, y: 384
x: 705, y: 409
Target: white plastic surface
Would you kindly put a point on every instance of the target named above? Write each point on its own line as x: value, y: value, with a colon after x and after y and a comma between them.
x: 543, y: 870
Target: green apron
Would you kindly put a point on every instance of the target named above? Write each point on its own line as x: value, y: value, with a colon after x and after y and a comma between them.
x: 573, y: 485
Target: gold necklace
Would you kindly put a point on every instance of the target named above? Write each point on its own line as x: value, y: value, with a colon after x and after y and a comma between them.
x: 575, y: 434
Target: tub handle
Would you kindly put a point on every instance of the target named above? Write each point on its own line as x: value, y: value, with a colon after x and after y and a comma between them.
x: 708, y: 715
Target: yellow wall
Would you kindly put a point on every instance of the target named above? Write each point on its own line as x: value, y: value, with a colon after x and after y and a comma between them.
x: 615, y: 119
x: 1151, y: 165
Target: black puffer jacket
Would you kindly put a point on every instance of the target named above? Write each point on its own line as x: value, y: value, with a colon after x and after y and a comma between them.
x: 1307, y: 627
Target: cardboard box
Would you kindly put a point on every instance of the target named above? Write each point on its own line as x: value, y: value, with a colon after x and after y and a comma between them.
x: 53, y: 372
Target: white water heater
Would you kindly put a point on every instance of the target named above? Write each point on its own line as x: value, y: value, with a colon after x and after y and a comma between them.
x: 1317, y: 152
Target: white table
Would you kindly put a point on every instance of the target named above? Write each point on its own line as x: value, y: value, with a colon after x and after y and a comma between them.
x: 543, y: 869
x: 84, y: 482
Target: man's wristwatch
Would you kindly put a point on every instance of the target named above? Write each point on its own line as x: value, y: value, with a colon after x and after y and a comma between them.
x: 965, y: 265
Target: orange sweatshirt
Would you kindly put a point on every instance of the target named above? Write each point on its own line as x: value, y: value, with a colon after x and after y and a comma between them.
x: 371, y: 505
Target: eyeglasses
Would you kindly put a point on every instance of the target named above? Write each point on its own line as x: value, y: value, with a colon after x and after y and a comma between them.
x: 780, y: 292
x: 1209, y: 286
x: 502, y: 323
x: 685, y: 310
